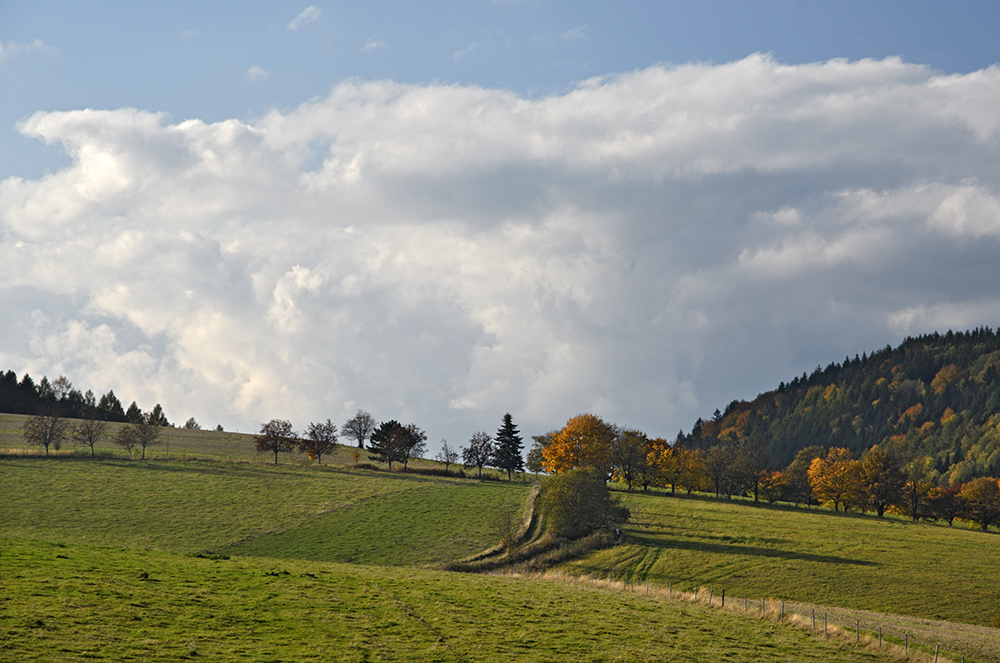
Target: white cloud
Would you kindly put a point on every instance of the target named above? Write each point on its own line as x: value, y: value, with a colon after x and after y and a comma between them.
x: 11, y: 48
x: 256, y: 73
x: 373, y: 44
x: 649, y: 245
x: 310, y: 14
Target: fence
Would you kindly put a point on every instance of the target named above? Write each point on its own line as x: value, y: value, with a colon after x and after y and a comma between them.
x: 864, y: 632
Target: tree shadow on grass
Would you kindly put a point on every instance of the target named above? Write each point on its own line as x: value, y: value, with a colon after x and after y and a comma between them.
x: 729, y: 549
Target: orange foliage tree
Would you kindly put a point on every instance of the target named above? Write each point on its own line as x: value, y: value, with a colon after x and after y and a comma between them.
x: 982, y: 501
x: 585, y: 441
x: 836, y: 479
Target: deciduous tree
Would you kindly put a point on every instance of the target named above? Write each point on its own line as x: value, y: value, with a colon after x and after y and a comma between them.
x: 982, y: 500
x: 752, y: 459
x: 836, y: 479
x: 479, y: 452
x: 576, y: 502
x: 629, y: 449
x: 276, y: 436
x: 321, y: 438
x: 46, y: 429
x: 536, y: 455
x: 585, y: 441
x: 798, y: 487
x: 720, y: 466
x: 446, y: 455
x: 139, y: 434
x: 89, y: 432
x: 413, y: 444
x: 359, y: 428
x: 882, y: 479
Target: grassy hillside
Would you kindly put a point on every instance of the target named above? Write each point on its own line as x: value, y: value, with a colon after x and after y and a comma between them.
x: 325, y: 513
x: 76, y: 532
x: 77, y: 602
x: 814, y: 555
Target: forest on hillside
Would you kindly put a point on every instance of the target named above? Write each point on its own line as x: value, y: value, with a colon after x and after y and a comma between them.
x: 934, y: 397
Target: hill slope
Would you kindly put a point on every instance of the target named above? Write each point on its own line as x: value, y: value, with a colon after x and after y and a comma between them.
x: 936, y: 396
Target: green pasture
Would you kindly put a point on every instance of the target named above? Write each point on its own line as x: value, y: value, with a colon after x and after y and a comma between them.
x: 77, y: 602
x: 810, y: 555
x: 327, y: 513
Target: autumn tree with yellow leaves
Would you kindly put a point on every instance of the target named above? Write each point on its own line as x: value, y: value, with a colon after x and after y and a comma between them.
x: 836, y: 479
x: 585, y: 441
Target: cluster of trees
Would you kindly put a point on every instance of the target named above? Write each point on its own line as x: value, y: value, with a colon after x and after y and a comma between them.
x: 502, y: 451
x: 277, y: 436
x: 878, y: 481
x: 392, y: 442
x: 935, y: 396
x: 24, y: 396
x: 50, y: 429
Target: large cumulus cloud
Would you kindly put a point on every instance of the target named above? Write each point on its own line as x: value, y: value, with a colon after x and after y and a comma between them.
x: 646, y: 246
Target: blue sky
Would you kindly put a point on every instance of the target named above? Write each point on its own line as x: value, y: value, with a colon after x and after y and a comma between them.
x: 442, y: 212
x: 191, y: 59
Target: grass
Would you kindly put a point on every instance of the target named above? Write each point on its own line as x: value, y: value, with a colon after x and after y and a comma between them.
x: 87, y: 603
x: 322, y: 513
x: 815, y: 556
x: 75, y: 532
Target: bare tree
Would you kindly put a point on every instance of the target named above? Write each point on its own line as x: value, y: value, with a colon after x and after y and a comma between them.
x: 320, y: 438
x: 479, y: 452
x: 359, y: 428
x: 142, y: 433
x: 89, y: 432
x: 505, y: 524
x: 47, y: 429
x: 276, y: 436
x: 447, y: 455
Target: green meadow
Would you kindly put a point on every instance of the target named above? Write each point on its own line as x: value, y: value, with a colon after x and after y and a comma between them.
x: 810, y: 555
x: 72, y: 602
x: 247, y: 560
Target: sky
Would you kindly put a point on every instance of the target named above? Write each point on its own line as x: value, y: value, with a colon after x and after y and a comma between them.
x: 443, y: 212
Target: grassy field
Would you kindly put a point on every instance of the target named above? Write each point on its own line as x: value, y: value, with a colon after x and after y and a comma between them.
x: 76, y: 531
x: 814, y: 556
x: 85, y: 603
x: 328, y: 513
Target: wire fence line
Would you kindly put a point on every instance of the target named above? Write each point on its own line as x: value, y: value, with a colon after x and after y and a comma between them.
x: 906, y: 638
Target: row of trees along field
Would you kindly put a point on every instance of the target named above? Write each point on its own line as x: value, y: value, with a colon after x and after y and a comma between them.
x: 392, y: 442
x: 880, y: 480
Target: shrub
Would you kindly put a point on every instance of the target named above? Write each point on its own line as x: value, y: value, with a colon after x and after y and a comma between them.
x: 578, y: 502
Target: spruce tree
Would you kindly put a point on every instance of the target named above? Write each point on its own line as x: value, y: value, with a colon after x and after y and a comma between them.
x: 508, y: 453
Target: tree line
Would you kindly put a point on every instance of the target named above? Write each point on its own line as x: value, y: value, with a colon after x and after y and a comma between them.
x: 392, y: 442
x: 24, y: 396
x: 878, y: 481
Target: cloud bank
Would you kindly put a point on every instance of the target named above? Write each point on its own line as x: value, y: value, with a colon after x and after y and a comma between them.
x: 645, y: 246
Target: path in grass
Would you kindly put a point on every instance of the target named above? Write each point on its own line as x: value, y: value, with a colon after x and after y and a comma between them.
x: 78, y: 602
x: 283, y: 511
x: 813, y: 556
